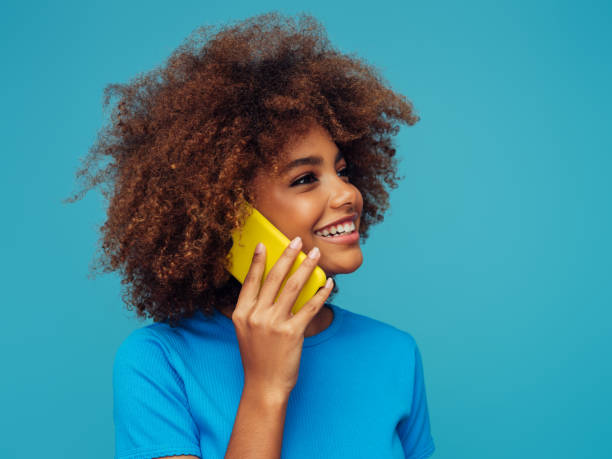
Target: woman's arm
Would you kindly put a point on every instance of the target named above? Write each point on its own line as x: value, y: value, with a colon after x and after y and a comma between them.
x: 259, y: 424
x: 270, y: 339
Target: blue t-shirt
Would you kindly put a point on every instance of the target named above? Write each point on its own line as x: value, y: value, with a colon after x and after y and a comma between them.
x: 360, y: 392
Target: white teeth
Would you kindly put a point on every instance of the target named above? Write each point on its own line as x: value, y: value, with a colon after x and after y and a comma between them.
x: 337, y: 229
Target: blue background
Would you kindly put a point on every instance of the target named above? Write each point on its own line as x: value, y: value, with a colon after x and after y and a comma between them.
x: 495, y: 256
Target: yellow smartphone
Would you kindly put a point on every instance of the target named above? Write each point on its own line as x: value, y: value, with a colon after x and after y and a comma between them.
x: 258, y: 228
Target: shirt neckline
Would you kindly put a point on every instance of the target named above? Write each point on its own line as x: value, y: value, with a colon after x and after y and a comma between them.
x: 309, y: 341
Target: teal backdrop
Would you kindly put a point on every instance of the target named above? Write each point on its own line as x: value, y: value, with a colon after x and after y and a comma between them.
x: 495, y: 254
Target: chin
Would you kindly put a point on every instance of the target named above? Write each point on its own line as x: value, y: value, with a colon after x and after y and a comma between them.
x: 344, y: 268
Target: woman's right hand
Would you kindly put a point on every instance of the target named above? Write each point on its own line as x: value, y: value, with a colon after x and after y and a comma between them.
x: 269, y: 336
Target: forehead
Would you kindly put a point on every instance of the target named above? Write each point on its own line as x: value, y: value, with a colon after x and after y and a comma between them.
x: 313, y: 148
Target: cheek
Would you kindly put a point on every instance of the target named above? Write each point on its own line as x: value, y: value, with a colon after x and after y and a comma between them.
x: 358, y: 200
x: 297, y: 217
x: 305, y: 214
x: 359, y: 197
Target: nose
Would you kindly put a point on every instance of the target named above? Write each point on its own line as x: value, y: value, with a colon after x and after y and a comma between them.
x: 343, y: 193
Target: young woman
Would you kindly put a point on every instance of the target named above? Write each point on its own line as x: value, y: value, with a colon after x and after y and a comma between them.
x: 267, y: 112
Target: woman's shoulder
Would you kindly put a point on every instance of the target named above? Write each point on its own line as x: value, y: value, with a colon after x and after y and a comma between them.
x: 163, y: 334
x: 142, y: 345
x: 161, y: 341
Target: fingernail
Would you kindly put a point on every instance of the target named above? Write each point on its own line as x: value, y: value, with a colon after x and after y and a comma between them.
x: 296, y: 242
x: 313, y: 253
x: 259, y: 248
x: 329, y: 282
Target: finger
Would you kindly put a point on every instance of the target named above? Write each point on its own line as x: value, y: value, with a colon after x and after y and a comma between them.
x: 252, y: 282
x: 279, y: 271
x: 312, y: 306
x: 296, y: 282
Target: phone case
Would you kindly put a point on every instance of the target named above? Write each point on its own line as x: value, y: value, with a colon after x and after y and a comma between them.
x: 258, y: 228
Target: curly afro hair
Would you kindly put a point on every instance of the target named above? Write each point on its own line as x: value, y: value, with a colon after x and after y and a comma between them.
x: 176, y: 159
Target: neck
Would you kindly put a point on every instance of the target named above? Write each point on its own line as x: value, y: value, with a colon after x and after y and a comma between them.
x: 320, y: 322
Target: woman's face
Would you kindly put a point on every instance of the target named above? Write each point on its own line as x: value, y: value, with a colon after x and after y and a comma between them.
x: 309, y: 196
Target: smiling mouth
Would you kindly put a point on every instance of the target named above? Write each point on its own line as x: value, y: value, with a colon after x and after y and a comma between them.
x: 337, y: 230
x: 344, y: 234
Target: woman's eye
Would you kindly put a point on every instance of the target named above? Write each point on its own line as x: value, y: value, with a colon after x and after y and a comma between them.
x: 309, y: 176
x: 299, y: 181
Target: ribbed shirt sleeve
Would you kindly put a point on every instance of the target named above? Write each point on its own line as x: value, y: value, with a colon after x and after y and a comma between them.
x: 151, y: 411
x: 414, y: 431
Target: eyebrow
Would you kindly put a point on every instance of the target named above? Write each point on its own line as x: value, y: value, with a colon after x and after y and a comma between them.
x: 308, y: 160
